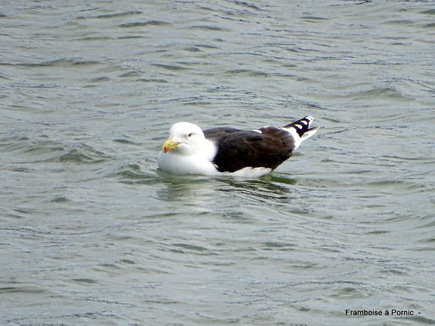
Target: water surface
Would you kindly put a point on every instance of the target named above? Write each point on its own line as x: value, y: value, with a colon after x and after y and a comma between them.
x: 93, y: 234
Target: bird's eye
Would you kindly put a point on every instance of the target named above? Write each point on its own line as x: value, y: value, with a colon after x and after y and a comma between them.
x: 190, y: 135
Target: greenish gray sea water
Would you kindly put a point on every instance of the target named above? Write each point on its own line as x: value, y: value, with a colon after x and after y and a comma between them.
x: 92, y: 233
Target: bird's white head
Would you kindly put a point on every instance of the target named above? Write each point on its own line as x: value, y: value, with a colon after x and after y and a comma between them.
x: 184, y: 138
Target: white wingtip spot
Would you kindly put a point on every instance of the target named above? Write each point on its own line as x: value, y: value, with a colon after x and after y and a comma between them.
x: 308, y: 134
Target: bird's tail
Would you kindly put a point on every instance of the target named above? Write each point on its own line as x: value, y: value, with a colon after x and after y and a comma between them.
x: 300, y: 129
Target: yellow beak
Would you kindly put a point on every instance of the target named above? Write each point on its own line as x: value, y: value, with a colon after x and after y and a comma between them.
x: 168, y: 145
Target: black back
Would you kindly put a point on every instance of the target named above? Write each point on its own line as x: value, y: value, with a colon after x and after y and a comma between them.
x: 238, y: 149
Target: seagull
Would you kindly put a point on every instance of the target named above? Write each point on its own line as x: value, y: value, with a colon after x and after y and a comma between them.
x: 231, y: 151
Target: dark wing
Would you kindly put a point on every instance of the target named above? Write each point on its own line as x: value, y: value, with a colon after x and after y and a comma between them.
x: 238, y: 149
x: 216, y: 133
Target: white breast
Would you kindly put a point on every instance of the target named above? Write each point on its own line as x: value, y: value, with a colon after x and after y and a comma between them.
x: 182, y: 164
x: 200, y: 163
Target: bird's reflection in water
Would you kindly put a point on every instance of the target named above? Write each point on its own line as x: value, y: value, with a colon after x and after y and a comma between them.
x: 187, y: 189
x: 267, y: 189
x: 207, y: 190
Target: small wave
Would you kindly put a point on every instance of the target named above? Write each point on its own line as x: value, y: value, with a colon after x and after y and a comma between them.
x: 119, y: 14
x: 379, y: 93
x: 143, y: 24
x: 429, y: 12
x: 39, y: 150
x: 43, y: 149
x: 248, y: 72
x: 62, y: 62
x: 313, y: 19
x: 209, y: 28
x: 188, y: 248
x: 172, y: 67
x: 247, y: 5
x: 131, y: 171
x: 125, y: 141
x: 60, y: 199
x: 28, y: 289
x: 152, y: 80
x: 132, y: 174
x: 83, y: 154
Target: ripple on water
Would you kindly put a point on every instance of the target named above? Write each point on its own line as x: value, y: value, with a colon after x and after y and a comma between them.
x: 83, y: 153
x: 35, y: 149
x: 92, y: 230
x: 144, y: 24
